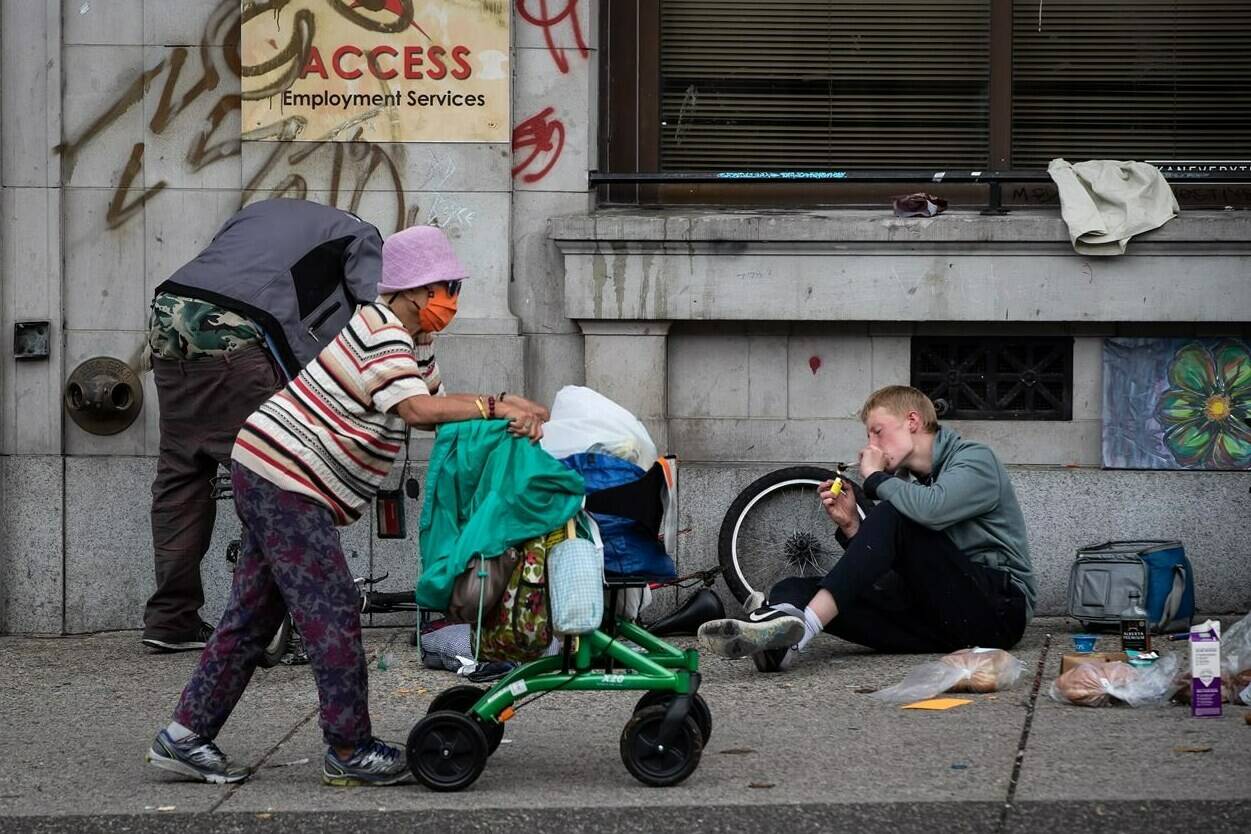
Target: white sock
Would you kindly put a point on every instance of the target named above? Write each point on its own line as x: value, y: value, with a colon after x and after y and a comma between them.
x: 812, y: 627
x: 177, y: 731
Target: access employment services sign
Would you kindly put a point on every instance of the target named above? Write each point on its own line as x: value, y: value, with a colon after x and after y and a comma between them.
x: 376, y: 70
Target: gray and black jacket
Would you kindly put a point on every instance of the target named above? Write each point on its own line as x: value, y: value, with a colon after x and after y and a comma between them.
x: 298, y: 269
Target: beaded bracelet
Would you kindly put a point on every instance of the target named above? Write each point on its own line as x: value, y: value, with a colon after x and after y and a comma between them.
x: 491, y: 407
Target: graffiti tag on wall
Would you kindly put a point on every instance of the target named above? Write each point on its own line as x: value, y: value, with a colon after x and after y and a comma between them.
x: 208, y: 75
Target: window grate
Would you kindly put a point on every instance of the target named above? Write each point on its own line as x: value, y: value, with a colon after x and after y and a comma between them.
x: 996, y: 378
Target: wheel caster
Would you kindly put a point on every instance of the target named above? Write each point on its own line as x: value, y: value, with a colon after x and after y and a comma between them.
x: 653, y: 763
x: 699, y: 709
x: 461, y: 698
x: 446, y: 751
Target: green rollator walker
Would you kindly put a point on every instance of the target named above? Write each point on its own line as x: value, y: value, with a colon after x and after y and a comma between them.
x: 660, y: 745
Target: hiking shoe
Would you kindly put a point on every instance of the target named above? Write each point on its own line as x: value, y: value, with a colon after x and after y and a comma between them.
x: 180, y: 643
x: 195, y: 757
x: 373, y: 762
x: 770, y: 627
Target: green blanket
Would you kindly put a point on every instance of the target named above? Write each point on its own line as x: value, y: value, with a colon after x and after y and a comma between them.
x: 486, y: 491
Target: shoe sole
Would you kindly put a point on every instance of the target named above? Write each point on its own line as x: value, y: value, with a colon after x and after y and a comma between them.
x: 358, y: 782
x: 175, y: 766
x: 166, y: 647
x: 738, y: 638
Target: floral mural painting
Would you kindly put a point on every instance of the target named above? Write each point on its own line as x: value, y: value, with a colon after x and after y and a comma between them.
x: 1207, y: 408
x: 1177, y: 404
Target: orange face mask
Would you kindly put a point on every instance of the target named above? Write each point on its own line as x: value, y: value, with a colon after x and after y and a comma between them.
x: 439, y: 310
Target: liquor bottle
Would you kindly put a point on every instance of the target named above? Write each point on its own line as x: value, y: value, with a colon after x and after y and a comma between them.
x: 1135, y: 634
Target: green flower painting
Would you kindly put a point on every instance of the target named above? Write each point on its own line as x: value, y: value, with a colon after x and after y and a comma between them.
x: 1206, y: 410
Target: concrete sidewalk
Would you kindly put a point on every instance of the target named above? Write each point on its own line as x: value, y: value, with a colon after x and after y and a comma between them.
x: 807, y: 746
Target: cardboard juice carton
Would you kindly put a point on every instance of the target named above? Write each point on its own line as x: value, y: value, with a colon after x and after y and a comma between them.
x: 1205, y: 670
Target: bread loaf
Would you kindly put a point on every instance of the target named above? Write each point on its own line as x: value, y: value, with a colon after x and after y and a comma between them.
x: 988, y: 670
x: 1087, y: 685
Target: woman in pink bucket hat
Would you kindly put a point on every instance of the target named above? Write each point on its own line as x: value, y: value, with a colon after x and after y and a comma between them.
x: 309, y: 460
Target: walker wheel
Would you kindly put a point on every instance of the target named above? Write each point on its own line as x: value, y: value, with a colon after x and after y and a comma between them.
x: 655, y: 764
x: 699, y: 709
x: 461, y: 699
x: 447, y: 751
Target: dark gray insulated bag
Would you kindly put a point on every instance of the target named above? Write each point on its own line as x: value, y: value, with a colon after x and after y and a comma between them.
x: 1103, y: 576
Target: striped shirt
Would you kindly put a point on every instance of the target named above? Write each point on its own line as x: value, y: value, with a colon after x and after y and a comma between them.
x: 332, y: 434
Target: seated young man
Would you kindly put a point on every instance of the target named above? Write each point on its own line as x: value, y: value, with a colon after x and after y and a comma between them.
x: 940, y: 563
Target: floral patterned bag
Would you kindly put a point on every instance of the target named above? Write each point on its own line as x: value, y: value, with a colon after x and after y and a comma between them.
x: 519, y: 628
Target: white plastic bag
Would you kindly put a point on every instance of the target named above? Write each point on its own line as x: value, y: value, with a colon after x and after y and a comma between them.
x: 584, y: 420
x: 1236, y: 648
x: 968, y: 670
x: 1099, y: 684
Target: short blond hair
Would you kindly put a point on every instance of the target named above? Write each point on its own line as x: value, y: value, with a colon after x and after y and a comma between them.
x: 899, y: 400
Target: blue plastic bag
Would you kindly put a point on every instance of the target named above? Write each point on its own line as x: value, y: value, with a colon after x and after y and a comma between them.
x: 628, y: 549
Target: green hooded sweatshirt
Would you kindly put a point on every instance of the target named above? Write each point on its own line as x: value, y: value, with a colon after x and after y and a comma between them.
x: 485, y: 492
x: 971, y: 499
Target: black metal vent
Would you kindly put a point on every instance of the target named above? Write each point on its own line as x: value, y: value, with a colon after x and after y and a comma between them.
x: 996, y: 377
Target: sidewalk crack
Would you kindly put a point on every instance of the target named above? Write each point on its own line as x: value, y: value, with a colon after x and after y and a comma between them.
x: 232, y: 789
x: 1006, y: 812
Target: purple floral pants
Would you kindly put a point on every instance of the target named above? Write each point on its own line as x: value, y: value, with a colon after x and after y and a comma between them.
x: 290, y: 560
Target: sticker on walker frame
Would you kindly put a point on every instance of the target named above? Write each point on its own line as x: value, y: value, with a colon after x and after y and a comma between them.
x: 518, y: 688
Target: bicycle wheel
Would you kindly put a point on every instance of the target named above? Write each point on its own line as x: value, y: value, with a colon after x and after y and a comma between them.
x: 277, y: 645
x: 776, y: 528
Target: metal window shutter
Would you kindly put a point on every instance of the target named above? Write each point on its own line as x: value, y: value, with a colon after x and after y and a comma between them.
x: 824, y: 83
x: 1131, y: 79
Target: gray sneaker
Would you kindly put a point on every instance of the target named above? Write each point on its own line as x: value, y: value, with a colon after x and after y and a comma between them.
x: 195, y: 757
x: 770, y: 627
x: 373, y: 762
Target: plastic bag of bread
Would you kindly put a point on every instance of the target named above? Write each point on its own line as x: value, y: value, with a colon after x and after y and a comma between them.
x: 984, y: 670
x: 968, y: 670
x: 1235, y: 687
x: 1100, y: 684
x: 1236, y: 661
x: 1235, y: 666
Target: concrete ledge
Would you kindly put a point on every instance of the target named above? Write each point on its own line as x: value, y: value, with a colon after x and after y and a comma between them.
x: 864, y: 266
x: 739, y: 226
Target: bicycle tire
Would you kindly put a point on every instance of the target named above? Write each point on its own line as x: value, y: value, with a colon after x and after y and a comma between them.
x: 277, y: 645
x: 799, y: 548
x: 379, y: 602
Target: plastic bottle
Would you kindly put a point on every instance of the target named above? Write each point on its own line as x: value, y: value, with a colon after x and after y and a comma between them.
x: 1135, y: 633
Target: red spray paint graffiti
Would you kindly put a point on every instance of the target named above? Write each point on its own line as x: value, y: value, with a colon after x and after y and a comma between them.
x: 396, y: 7
x: 547, y: 22
x: 542, y: 135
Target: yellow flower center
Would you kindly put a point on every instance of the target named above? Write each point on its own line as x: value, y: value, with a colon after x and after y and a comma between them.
x: 1217, y: 407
